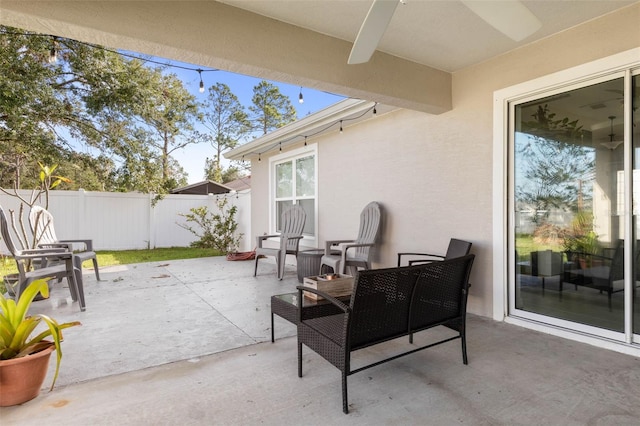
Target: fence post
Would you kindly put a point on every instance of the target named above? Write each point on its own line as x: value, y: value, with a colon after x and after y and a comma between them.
x: 82, y: 208
x: 151, y: 242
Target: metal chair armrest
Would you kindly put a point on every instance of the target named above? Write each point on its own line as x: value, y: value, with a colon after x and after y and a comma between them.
x: 411, y: 262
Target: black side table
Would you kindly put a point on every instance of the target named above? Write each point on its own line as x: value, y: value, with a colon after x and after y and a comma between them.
x: 308, y: 263
x: 286, y: 306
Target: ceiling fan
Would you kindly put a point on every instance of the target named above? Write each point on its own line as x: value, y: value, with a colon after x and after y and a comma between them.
x: 512, y: 18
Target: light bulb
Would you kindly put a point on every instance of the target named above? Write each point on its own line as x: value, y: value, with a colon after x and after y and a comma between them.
x: 53, y: 53
x: 300, y: 97
x: 201, y: 90
x: 340, y: 126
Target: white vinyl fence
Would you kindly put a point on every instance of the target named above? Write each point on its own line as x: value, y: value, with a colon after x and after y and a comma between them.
x: 123, y: 221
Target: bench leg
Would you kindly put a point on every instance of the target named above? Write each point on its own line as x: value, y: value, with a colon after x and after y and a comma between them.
x: 345, y: 403
x: 272, y: 337
x: 299, y: 359
x: 463, y: 337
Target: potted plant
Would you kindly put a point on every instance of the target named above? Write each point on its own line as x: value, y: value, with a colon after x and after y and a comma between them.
x: 24, y: 360
x: 580, y: 241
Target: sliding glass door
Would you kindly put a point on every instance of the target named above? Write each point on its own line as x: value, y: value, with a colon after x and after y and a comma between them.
x: 634, y: 131
x: 573, y: 244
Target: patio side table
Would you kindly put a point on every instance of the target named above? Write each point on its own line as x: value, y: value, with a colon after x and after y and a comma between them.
x: 286, y: 306
x: 308, y: 263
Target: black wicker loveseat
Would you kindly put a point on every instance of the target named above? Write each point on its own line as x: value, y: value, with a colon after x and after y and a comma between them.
x: 387, y: 304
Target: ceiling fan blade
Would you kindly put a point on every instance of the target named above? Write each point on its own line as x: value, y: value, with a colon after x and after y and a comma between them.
x: 511, y: 18
x: 372, y: 30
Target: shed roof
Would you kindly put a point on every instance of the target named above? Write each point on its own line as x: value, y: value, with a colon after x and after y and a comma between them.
x: 241, y: 184
x: 203, y: 188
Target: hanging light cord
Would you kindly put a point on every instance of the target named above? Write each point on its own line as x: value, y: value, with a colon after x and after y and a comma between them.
x: 317, y: 132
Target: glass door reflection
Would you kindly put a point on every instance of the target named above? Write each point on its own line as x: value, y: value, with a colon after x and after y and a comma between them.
x: 568, y: 188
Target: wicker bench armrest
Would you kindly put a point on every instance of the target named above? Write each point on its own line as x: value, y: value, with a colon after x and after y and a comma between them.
x: 337, y: 303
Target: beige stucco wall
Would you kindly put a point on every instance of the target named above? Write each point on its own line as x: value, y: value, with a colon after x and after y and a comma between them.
x: 433, y: 174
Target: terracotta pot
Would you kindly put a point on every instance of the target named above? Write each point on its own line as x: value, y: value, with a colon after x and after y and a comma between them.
x: 21, y: 378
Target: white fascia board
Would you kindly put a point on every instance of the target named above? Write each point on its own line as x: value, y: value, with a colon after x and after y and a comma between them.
x: 308, y: 125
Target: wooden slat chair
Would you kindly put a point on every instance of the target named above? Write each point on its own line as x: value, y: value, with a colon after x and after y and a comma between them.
x: 293, y: 220
x: 41, y: 222
x: 55, y: 263
x: 342, y: 254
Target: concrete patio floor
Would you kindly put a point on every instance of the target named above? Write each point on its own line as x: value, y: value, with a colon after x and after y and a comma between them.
x: 188, y: 343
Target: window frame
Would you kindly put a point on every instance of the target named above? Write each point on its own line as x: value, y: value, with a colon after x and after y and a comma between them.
x: 293, y: 155
x: 626, y: 63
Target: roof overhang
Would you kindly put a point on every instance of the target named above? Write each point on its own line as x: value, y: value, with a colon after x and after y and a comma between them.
x: 344, y: 113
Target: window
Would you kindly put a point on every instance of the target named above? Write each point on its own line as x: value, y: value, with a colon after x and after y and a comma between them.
x: 294, y: 181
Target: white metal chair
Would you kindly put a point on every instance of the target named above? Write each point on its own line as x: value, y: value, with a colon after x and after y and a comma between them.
x: 293, y: 220
x: 340, y: 254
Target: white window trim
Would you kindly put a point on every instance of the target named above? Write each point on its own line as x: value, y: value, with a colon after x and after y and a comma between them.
x: 310, y: 149
x: 501, y: 100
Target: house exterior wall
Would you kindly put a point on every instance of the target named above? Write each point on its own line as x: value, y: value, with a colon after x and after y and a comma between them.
x: 433, y: 174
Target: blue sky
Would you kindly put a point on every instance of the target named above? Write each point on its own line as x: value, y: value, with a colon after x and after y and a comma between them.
x: 192, y: 158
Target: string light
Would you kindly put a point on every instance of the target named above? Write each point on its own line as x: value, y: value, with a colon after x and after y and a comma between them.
x: 53, y: 58
x: 321, y: 130
x: 53, y: 53
x: 201, y: 90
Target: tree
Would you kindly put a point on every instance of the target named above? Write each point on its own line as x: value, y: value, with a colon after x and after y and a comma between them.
x: 128, y: 116
x: 214, y: 230
x: 170, y: 115
x: 30, y: 105
x: 556, y: 167
x: 271, y: 109
x: 227, y: 122
x: 229, y: 174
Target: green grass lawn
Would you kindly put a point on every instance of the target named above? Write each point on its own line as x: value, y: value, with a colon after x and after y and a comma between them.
x: 526, y: 245
x: 123, y: 257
